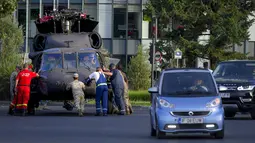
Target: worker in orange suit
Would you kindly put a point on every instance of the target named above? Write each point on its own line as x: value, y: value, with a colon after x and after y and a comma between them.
x: 22, y: 90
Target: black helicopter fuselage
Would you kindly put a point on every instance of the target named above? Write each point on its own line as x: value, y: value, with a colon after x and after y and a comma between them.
x: 52, y: 83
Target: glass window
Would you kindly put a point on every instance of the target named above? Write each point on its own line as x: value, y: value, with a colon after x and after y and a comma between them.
x: 91, y: 1
x: 76, y: 4
x: 69, y: 60
x: 88, y: 61
x: 235, y: 71
x: 119, y: 21
x: 134, y: 21
x: 62, y: 4
x: 188, y: 84
x: 51, y: 61
x: 120, y: 1
x: 91, y: 10
x: 105, y: 1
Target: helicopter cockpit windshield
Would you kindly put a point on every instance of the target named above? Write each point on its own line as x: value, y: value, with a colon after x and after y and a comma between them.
x: 88, y: 60
x: 51, y: 61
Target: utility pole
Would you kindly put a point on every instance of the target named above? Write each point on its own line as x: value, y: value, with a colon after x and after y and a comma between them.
x: 40, y: 8
x: 68, y: 4
x: 27, y: 22
x: 57, y: 5
x: 155, y: 25
x: 54, y: 5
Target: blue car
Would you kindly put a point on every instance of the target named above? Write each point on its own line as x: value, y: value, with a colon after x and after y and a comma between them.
x: 186, y: 101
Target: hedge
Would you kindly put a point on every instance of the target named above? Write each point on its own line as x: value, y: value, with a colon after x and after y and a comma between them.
x: 139, y: 95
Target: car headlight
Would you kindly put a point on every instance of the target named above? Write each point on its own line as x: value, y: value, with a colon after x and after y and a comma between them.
x: 222, y: 88
x: 214, y: 103
x: 166, y: 104
x: 243, y: 88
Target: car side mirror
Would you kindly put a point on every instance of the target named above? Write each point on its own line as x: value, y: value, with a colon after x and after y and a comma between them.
x: 153, y: 90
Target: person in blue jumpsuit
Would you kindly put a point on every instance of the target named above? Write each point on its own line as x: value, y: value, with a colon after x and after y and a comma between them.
x: 101, y: 90
x: 117, y: 87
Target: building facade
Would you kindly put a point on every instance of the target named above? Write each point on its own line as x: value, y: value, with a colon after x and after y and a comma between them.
x: 121, y: 23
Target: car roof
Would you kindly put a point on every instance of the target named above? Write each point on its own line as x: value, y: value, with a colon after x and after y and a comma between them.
x: 238, y: 61
x: 60, y: 50
x: 171, y: 70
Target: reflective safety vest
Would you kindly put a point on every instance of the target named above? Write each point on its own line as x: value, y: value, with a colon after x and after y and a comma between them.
x: 101, y: 81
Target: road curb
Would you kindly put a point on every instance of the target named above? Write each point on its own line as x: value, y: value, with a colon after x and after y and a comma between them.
x: 61, y: 104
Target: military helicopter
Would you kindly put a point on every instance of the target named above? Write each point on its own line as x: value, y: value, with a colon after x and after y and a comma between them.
x: 66, y: 44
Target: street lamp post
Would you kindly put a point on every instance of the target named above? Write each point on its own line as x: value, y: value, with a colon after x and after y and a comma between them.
x: 154, y: 48
x: 27, y: 22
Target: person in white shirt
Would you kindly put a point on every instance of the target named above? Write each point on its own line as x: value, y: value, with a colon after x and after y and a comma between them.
x: 101, y: 90
x: 206, y: 66
x: 78, y: 89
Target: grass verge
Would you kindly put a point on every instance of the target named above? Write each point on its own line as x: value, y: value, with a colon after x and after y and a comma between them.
x: 139, y: 95
x: 133, y: 103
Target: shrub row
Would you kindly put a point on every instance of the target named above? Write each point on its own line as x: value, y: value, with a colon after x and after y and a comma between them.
x: 139, y: 95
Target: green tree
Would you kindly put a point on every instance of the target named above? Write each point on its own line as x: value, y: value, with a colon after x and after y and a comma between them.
x: 7, y: 7
x: 12, y: 38
x: 228, y: 22
x: 139, y: 70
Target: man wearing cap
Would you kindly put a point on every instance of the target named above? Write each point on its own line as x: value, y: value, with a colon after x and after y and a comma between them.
x: 78, y: 89
x: 101, y: 90
x: 12, y: 81
x: 117, y: 87
x: 22, y: 90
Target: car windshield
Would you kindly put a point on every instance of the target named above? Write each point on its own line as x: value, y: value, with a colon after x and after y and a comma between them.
x: 70, y: 60
x: 88, y: 61
x: 238, y: 71
x: 50, y: 61
x: 188, y: 84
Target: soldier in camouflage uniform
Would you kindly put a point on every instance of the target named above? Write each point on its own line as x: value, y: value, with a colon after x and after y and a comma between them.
x: 128, y: 105
x: 78, y: 89
x: 13, y: 81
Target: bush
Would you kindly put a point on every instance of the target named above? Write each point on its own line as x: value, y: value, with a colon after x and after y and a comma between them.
x: 139, y: 95
x: 139, y: 70
x: 12, y: 39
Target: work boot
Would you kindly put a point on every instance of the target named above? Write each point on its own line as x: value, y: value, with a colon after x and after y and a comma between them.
x: 80, y: 113
x: 10, y: 112
x: 23, y: 113
x: 121, y: 113
x: 130, y: 110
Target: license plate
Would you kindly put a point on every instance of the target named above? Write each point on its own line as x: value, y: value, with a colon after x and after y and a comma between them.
x: 191, y: 120
x: 225, y: 95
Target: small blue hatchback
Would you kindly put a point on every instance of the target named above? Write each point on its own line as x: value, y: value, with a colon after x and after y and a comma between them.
x: 186, y: 101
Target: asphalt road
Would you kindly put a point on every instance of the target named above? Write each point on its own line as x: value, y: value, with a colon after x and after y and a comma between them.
x: 60, y: 126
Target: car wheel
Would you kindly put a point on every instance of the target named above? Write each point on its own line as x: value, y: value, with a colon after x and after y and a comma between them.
x: 219, y: 134
x: 230, y: 114
x: 252, y: 112
x: 159, y: 133
x: 153, y: 131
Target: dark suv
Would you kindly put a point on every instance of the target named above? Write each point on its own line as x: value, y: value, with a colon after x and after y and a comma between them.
x: 236, y: 82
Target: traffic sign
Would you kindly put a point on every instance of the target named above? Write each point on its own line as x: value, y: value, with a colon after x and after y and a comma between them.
x: 177, y: 54
x: 158, y: 56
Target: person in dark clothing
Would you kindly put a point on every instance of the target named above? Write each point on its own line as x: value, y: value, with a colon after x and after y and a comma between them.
x: 128, y: 105
x: 117, y: 87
